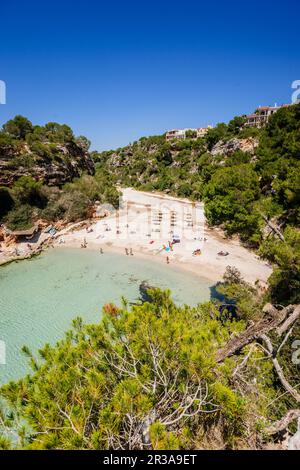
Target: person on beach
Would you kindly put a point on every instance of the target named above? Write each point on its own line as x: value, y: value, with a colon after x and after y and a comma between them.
x: 101, y: 251
x: 131, y: 252
x: 126, y: 251
x: 168, y: 260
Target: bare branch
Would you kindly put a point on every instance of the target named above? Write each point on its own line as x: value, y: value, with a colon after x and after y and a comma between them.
x: 244, y: 361
x: 285, y: 340
x: 279, y: 370
x: 272, y: 318
x: 289, y: 321
x: 273, y: 227
x: 65, y: 414
x: 283, y: 423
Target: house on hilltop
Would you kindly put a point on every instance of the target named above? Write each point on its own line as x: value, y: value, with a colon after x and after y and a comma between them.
x: 261, y: 115
x: 192, y: 133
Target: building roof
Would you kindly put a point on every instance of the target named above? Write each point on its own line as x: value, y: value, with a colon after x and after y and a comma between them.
x: 23, y: 233
x: 273, y: 107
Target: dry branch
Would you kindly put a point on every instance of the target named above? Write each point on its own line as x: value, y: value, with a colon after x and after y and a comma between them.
x: 273, y: 228
x: 272, y: 318
x: 289, y: 321
x: 283, y: 423
x: 288, y: 387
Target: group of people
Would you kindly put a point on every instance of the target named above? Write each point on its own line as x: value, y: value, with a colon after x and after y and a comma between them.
x: 169, y: 247
x: 129, y: 252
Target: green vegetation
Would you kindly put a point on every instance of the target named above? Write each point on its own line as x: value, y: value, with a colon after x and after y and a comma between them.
x: 242, y: 192
x: 158, y: 375
x: 229, y: 196
x: 284, y: 283
x: 29, y: 157
x: 29, y: 200
x: 148, y: 378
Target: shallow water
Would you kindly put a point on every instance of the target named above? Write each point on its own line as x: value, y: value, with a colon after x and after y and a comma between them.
x: 40, y: 297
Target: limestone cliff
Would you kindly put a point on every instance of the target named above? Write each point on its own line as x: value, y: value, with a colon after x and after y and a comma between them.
x: 52, y: 163
x: 228, y: 148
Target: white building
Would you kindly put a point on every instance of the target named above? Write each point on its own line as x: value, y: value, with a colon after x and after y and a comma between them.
x: 261, y: 115
x: 175, y: 134
x: 182, y: 133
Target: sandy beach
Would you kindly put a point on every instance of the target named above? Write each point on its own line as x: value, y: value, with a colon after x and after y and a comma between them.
x: 146, y: 225
x: 147, y: 222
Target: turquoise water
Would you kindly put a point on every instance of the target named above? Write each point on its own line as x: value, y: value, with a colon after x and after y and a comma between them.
x: 40, y: 297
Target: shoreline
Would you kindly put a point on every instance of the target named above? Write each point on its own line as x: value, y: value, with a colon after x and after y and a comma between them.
x: 141, y: 254
x: 131, y: 230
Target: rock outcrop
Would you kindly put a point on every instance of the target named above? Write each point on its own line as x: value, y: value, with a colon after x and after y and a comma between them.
x: 233, y: 145
x: 61, y: 164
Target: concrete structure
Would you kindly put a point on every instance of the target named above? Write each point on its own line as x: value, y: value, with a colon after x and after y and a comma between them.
x: 20, y: 235
x: 182, y: 133
x: 175, y: 134
x: 202, y: 131
x: 261, y: 115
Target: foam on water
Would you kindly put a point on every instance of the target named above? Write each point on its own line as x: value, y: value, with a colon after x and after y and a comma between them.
x: 39, y: 298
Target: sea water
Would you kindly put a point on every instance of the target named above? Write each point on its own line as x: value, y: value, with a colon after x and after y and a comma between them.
x: 40, y: 297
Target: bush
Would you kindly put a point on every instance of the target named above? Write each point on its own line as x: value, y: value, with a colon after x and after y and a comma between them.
x: 18, y: 127
x: 28, y: 191
x: 76, y: 206
x: 20, y: 217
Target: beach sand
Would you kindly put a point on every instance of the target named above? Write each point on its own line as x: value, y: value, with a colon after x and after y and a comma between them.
x: 144, y: 224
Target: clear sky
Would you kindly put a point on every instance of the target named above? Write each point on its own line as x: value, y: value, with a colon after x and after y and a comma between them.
x: 118, y: 70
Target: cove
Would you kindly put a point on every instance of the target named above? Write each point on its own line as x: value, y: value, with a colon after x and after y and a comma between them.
x: 40, y: 297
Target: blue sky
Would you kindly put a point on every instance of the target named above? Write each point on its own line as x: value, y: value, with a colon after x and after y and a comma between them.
x: 116, y: 71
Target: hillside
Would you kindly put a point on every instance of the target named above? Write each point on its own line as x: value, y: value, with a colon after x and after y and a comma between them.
x: 50, y: 154
x: 47, y: 173
x: 155, y: 375
x: 248, y: 178
x: 190, y: 167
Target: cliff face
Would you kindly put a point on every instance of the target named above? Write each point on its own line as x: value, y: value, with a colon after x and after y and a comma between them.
x: 175, y: 157
x: 233, y: 145
x: 53, y: 164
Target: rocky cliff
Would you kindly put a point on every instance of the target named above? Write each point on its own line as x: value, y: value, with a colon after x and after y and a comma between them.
x: 233, y: 145
x: 52, y: 163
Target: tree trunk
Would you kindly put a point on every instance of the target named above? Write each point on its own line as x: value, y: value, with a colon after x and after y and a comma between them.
x: 271, y: 320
